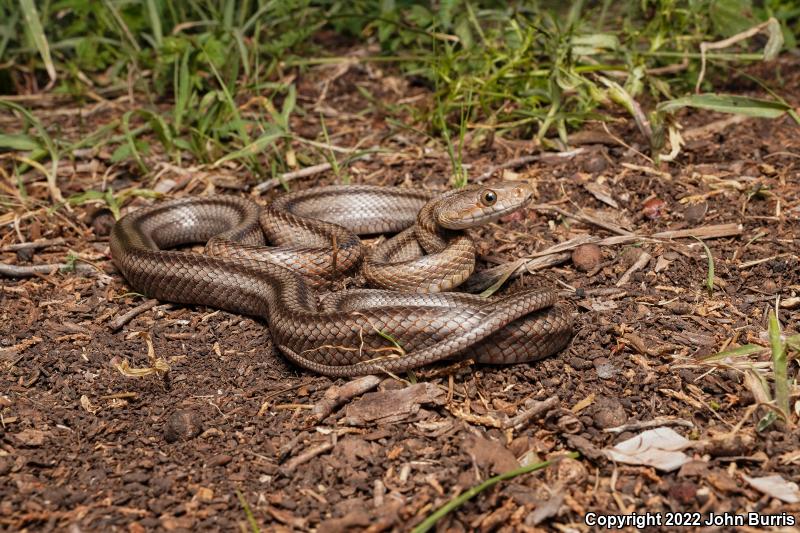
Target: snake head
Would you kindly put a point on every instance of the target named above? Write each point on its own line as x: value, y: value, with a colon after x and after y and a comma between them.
x: 480, y: 204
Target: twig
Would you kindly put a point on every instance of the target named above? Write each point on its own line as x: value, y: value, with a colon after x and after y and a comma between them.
x: 35, y: 245
x: 306, y: 456
x: 511, y: 163
x: 536, y: 409
x: 657, y: 422
x: 263, y: 187
x: 121, y: 320
x: 648, y: 170
x: 524, y: 160
x: 582, y: 217
x: 336, y: 396
x: 755, y: 262
x: 707, y: 232
x: 705, y: 46
x: 643, y: 259
x: 29, y: 271
x: 269, y: 397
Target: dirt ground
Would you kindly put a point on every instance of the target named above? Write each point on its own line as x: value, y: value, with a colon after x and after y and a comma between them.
x: 228, y: 434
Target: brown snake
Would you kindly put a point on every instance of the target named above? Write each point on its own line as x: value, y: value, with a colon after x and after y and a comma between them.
x: 356, y: 331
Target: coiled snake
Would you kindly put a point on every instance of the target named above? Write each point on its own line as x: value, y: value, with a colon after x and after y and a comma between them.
x: 315, y: 241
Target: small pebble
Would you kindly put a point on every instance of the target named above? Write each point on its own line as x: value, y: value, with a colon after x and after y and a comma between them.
x: 695, y: 213
x: 184, y: 424
x: 586, y: 257
x: 609, y: 413
x: 595, y: 164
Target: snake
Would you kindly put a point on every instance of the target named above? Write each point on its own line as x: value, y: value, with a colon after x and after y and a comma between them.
x: 315, y: 241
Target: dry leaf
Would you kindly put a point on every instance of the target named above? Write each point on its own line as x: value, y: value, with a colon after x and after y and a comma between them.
x: 775, y: 486
x: 660, y: 448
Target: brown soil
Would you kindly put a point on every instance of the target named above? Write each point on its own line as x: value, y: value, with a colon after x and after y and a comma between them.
x: 86, y: 447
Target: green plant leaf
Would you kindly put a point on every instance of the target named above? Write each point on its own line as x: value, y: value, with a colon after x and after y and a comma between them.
x: 779, y: 363
x: 727, y: 103
x: 730, y: 17
x: 254, y: 148
x: 36, y: 31
x: 741, y: 351
x: 19, y: 142
x: 154, y: 14
x: 586, y: 45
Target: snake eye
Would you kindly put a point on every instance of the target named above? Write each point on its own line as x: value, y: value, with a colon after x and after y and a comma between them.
x: 488, y: 198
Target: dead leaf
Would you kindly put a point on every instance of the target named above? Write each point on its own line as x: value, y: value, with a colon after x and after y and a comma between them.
x: 774, y: 485
x: 660, y: 448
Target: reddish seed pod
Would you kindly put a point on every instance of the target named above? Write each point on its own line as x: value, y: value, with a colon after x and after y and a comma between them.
x: 653, y: 208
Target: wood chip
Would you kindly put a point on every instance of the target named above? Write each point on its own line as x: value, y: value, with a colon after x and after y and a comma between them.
x: 703, y: 232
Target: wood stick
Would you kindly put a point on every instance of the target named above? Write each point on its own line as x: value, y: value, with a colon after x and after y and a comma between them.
x: 29, y: 271
x: 524, y: 160
x: 708, y: 232
x: 263, y: 187
x: 35, y: 245
x: 306, y: 456
x: 644, y: 258
x: 582, y: 217
x: 336, y: 396
x: 121, y: 320
x: 537, y: 408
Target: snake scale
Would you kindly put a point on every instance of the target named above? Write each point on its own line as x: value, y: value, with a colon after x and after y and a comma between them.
x: 407, y: 324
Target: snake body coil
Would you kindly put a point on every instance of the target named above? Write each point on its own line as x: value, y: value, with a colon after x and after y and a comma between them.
x: 352, y: 332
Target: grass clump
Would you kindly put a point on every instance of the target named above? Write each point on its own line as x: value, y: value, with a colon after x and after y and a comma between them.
x: 212, y: 79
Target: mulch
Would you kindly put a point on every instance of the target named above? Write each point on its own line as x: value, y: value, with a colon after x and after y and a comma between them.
x: 118, y: 413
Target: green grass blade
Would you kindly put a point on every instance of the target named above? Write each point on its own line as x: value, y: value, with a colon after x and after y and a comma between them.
x: 727, y: 103
x: 741, y: 351
x: 36, y: 31
x: 20, y: 142
x: 252, y: 149
x: 461, y: 499
x: 52, y: 185
x: 710, y: 270
x: 154, y: 14
x: 183, y: 90
x: 779, y: 363
x: 131, y: 139
x: 7, y: 31
x: 251, y: 519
